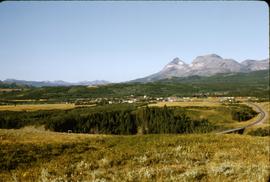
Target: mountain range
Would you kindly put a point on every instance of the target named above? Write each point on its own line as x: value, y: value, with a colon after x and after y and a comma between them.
x: 206, y: 65
x: 55, y: 83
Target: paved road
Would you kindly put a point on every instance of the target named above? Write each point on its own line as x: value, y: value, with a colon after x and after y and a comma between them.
x: 260, y: 119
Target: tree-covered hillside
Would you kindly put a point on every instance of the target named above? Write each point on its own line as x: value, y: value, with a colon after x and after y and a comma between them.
x: 237, y: 84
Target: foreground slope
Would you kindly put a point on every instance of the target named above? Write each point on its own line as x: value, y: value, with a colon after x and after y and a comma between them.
x: 47, y: 156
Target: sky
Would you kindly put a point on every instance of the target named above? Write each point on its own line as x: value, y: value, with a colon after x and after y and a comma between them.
x: 120, y: 41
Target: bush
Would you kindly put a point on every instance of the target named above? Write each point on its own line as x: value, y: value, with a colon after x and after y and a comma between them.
x: 243, y: 113
x: 260, y: 132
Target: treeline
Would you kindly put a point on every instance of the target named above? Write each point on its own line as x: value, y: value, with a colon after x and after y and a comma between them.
x: 239, y: 84
x: 15, y: 120
x: 112, y: 122
x: 123, y: 121
x: 164, y: 120
x: 12, y: 85
x: 243, y: 113
x: 147, y: 121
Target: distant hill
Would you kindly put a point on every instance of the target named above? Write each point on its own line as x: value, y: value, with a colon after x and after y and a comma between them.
x: 254, y: 83
x: 206, y: 65
x: 12, y: 85
x: 254, y: 65
x: 53, y: 83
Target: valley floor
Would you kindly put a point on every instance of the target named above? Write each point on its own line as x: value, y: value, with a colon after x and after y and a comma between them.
x: 34, y: 155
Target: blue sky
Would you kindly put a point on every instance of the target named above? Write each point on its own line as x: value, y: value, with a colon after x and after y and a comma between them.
x: 120, y: 41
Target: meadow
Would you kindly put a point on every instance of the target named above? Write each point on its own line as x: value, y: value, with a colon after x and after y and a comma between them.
x: 34, y: 155
x: 187, y: 104
x: 216, y: 112
x: 37, y: 107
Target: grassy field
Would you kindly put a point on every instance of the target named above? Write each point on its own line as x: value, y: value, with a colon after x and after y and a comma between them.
x: 204, y: 103
x: 64, y: 106
x: 36, y: 107
x: 9, y: 89
x: 33, y: 155
x: 211, y: 109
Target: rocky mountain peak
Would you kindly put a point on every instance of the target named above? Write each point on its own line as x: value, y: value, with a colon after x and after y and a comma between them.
x: 177, y: 61
x: 213, y: 56
x: 208, y: 56
x: 175, y: 64
x: 206, y: 65
x: 254, y: 65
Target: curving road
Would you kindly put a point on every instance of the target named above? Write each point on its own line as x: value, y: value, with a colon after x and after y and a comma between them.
x: 260, y: 118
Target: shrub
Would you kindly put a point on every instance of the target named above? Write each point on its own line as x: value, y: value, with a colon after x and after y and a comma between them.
x: 243, y: 113
x: 260, y: 132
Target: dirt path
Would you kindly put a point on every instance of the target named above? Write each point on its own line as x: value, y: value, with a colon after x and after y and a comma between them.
x: 260, y: 119
x: 263, y: 115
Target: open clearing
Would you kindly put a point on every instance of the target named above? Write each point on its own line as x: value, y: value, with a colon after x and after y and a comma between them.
x: 212, y: 110
x: 216, y: 112
x: 35, y: 107
x: 9, y: 89
x: 47, y: 156
x: 187, y: 104
x: 64, y: 106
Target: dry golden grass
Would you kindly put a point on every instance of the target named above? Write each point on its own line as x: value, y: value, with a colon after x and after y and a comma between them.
x: 28, y: 100
x: 9, y: 89
x: 35, y: 107
x: 38, y: 135
x: 187, y: 104
x: 76, y: 157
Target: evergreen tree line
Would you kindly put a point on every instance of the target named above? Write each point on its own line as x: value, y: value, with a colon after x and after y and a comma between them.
x: 164, y: 120
x: 145, y: 121
x: 123, y: 121
x: 15, y: 119
x: 111, y: 122
x: 241, y: 84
